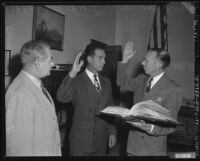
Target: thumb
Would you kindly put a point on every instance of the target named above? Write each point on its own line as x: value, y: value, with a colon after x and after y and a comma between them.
x: 81, y: 64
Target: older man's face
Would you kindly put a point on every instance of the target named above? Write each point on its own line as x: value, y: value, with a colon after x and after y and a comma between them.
x: 151, y: 63
x: 46, y: 65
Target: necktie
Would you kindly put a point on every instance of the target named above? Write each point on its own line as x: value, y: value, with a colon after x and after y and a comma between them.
x: 148, y: 85
x: 96, y: 83
x: 45, y: 92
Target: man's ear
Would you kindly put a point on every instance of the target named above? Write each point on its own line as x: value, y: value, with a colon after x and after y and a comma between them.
x: 36, y: 63
x: 157, y: 63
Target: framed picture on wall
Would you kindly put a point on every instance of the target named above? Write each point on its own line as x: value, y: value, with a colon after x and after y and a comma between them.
x: 7, y: 62
x: 48, y: 26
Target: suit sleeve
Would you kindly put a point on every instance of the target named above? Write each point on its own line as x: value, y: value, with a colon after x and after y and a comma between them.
x: 20, y: 125
x: 123, y: 81
x: 65, y: 90
x: 173, y: 103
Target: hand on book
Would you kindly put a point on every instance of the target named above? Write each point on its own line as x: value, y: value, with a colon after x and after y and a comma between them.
x: 141, y: 125
x: 149, y: 111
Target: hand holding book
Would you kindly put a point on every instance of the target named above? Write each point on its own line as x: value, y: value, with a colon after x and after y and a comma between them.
x: 149, y: 111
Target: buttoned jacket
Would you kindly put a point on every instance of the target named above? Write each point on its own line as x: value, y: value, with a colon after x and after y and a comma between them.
x: 90, y: 130
x: 165, y: 92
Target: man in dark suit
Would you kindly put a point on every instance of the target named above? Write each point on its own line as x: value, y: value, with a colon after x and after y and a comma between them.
x: 156, y: 86
x: 89, y: 92
x: 31, y: 121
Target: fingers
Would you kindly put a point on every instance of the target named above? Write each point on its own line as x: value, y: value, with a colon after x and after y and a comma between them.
x: 112, y: 141
x: 111, y: 144
x: 78, y: 57
x: 129, y: 46
x: 81, y: 63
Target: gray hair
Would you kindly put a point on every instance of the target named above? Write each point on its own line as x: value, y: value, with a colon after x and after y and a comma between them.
x: 33, y: 50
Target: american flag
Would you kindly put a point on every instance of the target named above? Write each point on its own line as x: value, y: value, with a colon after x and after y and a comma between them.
x: 158, y: 35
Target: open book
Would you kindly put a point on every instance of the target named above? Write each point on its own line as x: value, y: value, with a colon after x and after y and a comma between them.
x: 149, y: 111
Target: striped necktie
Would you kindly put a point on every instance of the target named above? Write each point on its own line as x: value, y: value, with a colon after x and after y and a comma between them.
x: 96, y: 83
x: 44, y: 90
x: 149, y: 85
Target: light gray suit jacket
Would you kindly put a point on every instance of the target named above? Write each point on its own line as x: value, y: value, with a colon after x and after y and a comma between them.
x: 31, y: 121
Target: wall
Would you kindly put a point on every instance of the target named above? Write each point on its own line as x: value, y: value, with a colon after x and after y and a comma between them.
x: 181, y: 47
x: 134, y: 23
x: 130, y: 23
x: 79, y: 29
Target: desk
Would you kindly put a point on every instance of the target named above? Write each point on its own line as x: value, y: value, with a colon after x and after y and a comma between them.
x: 182, y: 141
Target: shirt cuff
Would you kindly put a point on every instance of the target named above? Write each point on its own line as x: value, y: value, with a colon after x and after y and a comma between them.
x: 152, y: 126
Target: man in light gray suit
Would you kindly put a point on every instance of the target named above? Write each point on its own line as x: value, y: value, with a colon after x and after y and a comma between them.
x: 31, y: 121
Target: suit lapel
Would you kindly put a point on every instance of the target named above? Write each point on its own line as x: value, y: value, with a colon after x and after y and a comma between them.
x: 39, y: 94
x: 101, y: 96
x: 90, y: 84
x: 161, y: 83
x: 104, y: 95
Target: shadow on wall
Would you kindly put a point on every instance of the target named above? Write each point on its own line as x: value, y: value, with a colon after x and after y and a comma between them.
x: 15, y: 66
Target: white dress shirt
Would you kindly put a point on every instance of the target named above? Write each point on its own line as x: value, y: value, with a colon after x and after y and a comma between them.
x: 91, y: 76
x: 156, y: 79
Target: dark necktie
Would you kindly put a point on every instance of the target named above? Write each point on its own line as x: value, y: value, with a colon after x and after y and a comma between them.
x: 96, y: 83
x: 45, y: 92
x: 148, y: 85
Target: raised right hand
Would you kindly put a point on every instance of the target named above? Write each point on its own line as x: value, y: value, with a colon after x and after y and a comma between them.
x: 76, y: 65
x: 129, y: 52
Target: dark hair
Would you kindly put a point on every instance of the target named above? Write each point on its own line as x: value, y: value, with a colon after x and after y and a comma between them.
x: 163, y: 55
x: 90, y: 51
x: 28, y: 49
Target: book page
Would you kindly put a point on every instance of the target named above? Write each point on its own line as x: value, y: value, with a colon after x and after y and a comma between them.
x: 150, y: 110
x: 146, y: 112
x: 149, y: 105
x: 116, y: 110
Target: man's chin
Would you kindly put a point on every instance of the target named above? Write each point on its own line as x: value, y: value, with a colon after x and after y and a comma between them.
x: 101, y: 69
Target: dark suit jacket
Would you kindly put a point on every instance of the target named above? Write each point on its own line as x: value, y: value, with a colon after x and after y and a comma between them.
x: 90, y: 130
x: 165, y: 92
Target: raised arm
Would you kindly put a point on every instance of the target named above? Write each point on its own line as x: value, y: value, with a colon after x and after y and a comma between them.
x: 122, y: 78
x: 128, y: 52
x: 65, y: 90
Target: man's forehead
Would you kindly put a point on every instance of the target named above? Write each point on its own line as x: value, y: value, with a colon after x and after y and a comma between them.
x: 100, y: 52
x: 150, y: 54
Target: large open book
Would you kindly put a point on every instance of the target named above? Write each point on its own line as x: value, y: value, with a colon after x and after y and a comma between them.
x: 148, y: 111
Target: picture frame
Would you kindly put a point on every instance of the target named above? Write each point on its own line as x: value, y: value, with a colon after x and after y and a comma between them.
x: 7, y: 62
x: 48, y: 26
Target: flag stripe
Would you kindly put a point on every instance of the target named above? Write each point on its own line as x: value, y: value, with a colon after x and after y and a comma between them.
x: 158, y: 35
x: 155, y: 38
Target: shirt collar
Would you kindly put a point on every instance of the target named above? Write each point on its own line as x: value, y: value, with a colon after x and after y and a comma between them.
x: 35, y: 80
x: 156, y: 79
x: 91, y: 75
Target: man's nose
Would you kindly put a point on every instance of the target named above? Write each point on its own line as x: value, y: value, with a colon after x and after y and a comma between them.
x: 103, y: 61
